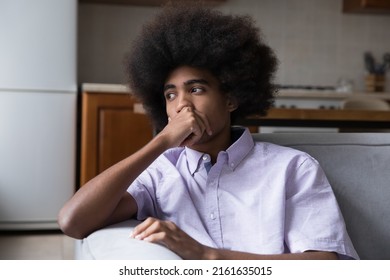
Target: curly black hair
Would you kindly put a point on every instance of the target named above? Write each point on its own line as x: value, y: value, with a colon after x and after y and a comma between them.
x: 229, y: 46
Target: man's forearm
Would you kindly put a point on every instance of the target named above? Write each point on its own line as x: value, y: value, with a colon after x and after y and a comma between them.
x: 220, y: 254
x: 98, y: 200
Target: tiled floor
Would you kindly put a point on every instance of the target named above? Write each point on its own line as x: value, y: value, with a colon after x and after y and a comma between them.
x: 36, y: 246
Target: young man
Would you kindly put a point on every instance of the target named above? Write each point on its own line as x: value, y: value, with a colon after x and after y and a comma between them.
x: 204, y: 189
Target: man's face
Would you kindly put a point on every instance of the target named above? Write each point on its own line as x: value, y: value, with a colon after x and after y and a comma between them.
x: 200, y: 90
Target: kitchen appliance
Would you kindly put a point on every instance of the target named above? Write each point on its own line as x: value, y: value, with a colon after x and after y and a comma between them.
x: 38, y: 94
x: 304, y: 97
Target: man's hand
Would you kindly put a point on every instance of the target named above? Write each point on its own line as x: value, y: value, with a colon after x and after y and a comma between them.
x: 187, y: 127
x: 171, y: 236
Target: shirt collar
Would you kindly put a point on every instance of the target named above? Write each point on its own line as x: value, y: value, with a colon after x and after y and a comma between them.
x: 193, y: 159
x: 242, y: 145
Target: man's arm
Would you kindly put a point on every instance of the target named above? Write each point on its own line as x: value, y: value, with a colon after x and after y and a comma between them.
x: 104, y: 199
x: 171, y: 236
x: 218, y: 254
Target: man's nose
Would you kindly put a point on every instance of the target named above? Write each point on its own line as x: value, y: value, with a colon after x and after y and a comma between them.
x: 183, y: 101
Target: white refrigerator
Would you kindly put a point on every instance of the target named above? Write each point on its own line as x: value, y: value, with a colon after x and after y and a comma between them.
x: 38, y: 93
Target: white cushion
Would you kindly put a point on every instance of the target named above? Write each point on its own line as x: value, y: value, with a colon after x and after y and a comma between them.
x: 114, y: 243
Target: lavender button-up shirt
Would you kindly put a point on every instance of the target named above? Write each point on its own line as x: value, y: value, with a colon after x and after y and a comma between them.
x: 258, y: 197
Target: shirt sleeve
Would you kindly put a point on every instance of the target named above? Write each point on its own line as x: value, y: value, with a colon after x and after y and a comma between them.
x: 143, y: 191
x: 313, y: 219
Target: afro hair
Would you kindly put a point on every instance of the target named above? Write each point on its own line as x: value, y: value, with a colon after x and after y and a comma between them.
x: 229, y: 46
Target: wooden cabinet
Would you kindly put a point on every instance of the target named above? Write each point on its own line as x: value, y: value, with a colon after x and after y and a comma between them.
x: 366, y: 6
x: 112, y: 127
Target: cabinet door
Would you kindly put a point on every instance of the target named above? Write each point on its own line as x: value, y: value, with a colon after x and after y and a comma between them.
x: 366, y: 6
x: 111, y: 129
x: 378, y: 4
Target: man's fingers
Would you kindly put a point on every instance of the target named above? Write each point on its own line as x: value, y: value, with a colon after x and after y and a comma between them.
x: 188, y: 127
x: 205, y: 122
x: 159, y: 237
x: 138, y: 230
x: 152, y: 226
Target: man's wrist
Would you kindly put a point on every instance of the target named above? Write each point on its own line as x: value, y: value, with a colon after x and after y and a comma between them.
x: 163, y: 141
x: 210, y: 254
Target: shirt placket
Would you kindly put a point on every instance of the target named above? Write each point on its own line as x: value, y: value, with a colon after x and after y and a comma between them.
x: 213, y: 220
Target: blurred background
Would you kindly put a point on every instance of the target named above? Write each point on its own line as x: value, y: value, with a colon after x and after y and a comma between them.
x: 66, y: 114
x: 316, y: 42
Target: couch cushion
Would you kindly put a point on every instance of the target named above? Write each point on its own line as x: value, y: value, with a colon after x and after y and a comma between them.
x: 114, y: 243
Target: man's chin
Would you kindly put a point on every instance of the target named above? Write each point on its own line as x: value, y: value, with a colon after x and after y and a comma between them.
x: 198, y: 144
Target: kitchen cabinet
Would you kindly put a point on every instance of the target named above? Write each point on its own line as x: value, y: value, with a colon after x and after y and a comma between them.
x: 366, y: 6
x: 144, y: 2
x: 113, y: 126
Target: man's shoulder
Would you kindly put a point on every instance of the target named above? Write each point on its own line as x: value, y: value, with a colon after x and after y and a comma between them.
x: 275, y: 151
x: 172, y: 155
x: 163, y: 163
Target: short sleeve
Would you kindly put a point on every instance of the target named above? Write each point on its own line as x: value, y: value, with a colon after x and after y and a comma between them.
x: 313, y: 219
x: 143, y: 191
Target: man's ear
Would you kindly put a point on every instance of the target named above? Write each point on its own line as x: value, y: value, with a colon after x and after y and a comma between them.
x: 232, y: 103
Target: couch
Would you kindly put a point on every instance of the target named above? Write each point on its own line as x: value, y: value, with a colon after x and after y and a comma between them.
x: 357, y: 166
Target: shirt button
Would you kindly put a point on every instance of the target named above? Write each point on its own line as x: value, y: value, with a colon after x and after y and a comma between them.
x: 205, y: 157
x: 232, y: 165
x: 212, y: 216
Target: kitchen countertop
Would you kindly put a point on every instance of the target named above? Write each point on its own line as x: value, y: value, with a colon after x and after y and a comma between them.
x: 106, y: 88
x: 321, y: 118
x: 296, y: 117
x: 285, y: 93
x: 302, y: 94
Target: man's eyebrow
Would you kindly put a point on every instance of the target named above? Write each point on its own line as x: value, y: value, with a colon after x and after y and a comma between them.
x: 189, y: 82
x: 169, y: 86
x: 196, y: 81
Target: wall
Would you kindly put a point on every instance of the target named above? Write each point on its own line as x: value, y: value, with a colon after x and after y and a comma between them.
x: 315, y: 42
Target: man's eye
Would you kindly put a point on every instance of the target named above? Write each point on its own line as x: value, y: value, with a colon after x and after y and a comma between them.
x: 196, y: 90
x: 170, y: 96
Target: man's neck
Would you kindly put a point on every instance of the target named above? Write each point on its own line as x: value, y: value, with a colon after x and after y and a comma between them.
x: 220, y: 143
